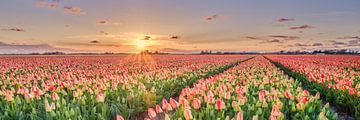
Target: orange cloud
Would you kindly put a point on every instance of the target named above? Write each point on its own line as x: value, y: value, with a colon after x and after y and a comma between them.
x: 301, y: 27
x: 73, y: 10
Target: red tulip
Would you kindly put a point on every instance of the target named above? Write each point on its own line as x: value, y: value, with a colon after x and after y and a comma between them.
x: 52, y: 88
x: 220, y: 105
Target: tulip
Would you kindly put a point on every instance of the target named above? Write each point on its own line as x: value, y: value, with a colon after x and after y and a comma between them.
x: 9, y: 96
x: 119, y: 117
x: 164, y: 103
x: 352, y: 91
x: 100, y: 97
x: 52, y: 88
x: 183, y: 101
x: 239, y: 116
x: 227, y: 95
x: 317, y: 96
x: 55, y: 96
x: 47, y: 106
x: 300, y: 106
x: 168, y: 107
x: 289, y: 95
x: 187, y: 114
x: 303, y: 100
x: 158, y: 109
x: 28, y: 96
x: 174, y: 103
x: 196, y: 103
x: 220, y: 105
x: 151, y: 113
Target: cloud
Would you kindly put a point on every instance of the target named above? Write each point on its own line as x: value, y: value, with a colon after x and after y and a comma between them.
x: 284, y: 37
x: 105, y: 33
x: 337, y: 42
x: 285, y: 19
x: 13, y: 29
x: 252, y: 38
x: 174, y: 37
x: 301, y: 45
x: 94, y: 41
x: 6, y: 48
x: 73, y: 10
x: 301, y: 27
x: 175, y: 50
x: 348, y: 37
x: 211, y: 17
x: 146, y: 38
x: 317, y: 44
x: 272, y: 41
x: 46, y: 4
x: 102, y: 22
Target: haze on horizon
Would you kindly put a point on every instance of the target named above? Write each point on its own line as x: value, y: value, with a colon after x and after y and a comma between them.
x: 177, y: 26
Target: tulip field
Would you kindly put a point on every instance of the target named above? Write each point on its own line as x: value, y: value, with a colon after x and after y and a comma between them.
x: 181, y: 87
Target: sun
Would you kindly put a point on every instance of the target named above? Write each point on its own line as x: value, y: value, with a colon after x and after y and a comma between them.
x: 141, y: 44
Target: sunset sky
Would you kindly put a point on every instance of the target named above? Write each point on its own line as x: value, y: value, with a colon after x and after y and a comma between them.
x: 178, y: 26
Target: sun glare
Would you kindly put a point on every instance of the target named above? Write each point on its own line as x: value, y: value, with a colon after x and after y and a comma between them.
x: 141, y: 44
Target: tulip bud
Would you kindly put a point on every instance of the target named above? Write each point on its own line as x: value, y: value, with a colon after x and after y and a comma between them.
x: 255, y: 117
x: 168, y: 107
x: 174, y: 103
x: 47, y: 106
x: 164, y: 103
x: 196, y: 103
x: 119, y: 117
x: 187, y: 114
x: 158, y: 109
x: 100, y: 97
x: 220, y: 104
x: 151, y: 113
x: 239, y: 116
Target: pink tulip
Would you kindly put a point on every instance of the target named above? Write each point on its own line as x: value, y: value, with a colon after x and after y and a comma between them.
x: 151, y: 113
x: 174, y: 103
x: 187, y: 114
x: 168, y: 107
x: 289, y: 95
x: 183, y: 102
x: 196, y: 103
x: 9, y: 96
x: 100, y: 97
x: 164, y: 103
x: 119, y: 117
x: 158, y: 109
x: 55, y: 96
x: 28, y: 96
x: 239, y: 116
